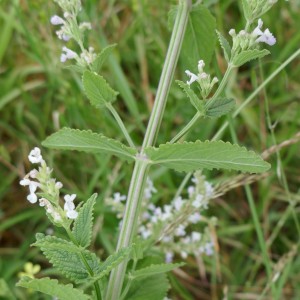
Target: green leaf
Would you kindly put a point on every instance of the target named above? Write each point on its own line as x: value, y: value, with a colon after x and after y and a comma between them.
x: 225, y: 45
x: 197, y: 103
x: 52, y: 242
x: 71, y: 139
x: 247, y: 10
x: 188, y: 157
x: 51, y: 287
x: 248, y: 55
x: 199, y: 40
x: 102, y: 57
x: 155, y: 269
x: 68, y: 261
x: 75, y: 68
x: 82, y: 229
x: 152, y: 288
x: 220, y: 107
x: 111, y: 262
x: 98, y: 90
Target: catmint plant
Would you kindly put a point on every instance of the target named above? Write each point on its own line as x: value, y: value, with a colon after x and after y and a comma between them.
x: 144, y: 226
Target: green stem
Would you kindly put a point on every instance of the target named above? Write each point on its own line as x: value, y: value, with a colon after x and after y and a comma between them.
x: 141, y: 168
x: 271, y: 128
x: 167, y: 73
x: 96, y: 284
x: 220, y: 88
x: 186, y: 128
x: 121, y: 124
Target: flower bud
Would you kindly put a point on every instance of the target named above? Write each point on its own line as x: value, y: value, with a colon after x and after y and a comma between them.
x: 33, y: 173
x: 232, y: 32
x: 58, y: 185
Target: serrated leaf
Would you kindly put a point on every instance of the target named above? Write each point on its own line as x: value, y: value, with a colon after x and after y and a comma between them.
x: 75, y: 68
x: 71, y: 139
x: 225, y: 45
x: 220, y: 107
x: 188, y: 157
x: 151, y: 288
x: 196, y: 102
x: 111, y: 262
x: 69, y: 262
x: 155, y: 269
x: 248, y: 55
x: 52, y: 242
x: 102, y: 57
x: 199, y: 39
x: 247, y: 10
x: 51, y: 287
x: 98, y: 90
x: 82, y: 229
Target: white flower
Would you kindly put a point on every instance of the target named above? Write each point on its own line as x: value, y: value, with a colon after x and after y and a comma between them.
x: 194, y: 218
x: 58, y: 185
x: 196, y: 236
x: 209, y: 189
x: 69, y: 205
x: 157, y: 211
x: 25, y: 182
x: 191, y: 191
x: 65, y: 37
x: 56, y: 20
x: 167, y: 214
x: 167, y: 238
x: 146, y: 215
x: 69, y: 54
x: 193, y: 77
x: 118, y: 197
x: 151, y: 206
x: 35, y: 156
x: 146, y: 233
x: 169, y: 257
x: 32, y: 198
x: 266, y: 36
x: 201, y: 64
x: 149, y: 189
x: 178, y: 202
x: 44, y: 202
x: 72, y: 214
x: 183, y: 254
x: 198, y: 201
x: 194, y: 179
x: 179, y: 231
x: 154, y: 219
x: 208, y: 249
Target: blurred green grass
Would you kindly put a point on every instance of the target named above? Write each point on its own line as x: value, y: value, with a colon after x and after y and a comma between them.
x: 37, y: 96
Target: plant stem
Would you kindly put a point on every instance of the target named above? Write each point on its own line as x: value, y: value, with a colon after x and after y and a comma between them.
x: 167, y: 73
x: 141, y: 168
x: 271, y: 128
x: 96, y: 284
x: 220, y: 88
x: 121, y: 124
x: 186, y: 128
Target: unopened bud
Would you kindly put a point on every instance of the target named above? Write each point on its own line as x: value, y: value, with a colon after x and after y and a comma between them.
x: 66, y: 15
x: 58, y: 185
x: 232, y: 32
x: 203, y: 75
x: 33, y: 173
x: 242, y: 33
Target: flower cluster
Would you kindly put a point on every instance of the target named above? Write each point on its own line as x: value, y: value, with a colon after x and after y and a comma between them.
x: 70, y: 29
x: 170, y: 224
x: 205, y: 82
x: 248, y: 41
x: 50, y: 190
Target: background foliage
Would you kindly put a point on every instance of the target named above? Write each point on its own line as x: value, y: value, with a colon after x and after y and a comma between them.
x: 38, y: 97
